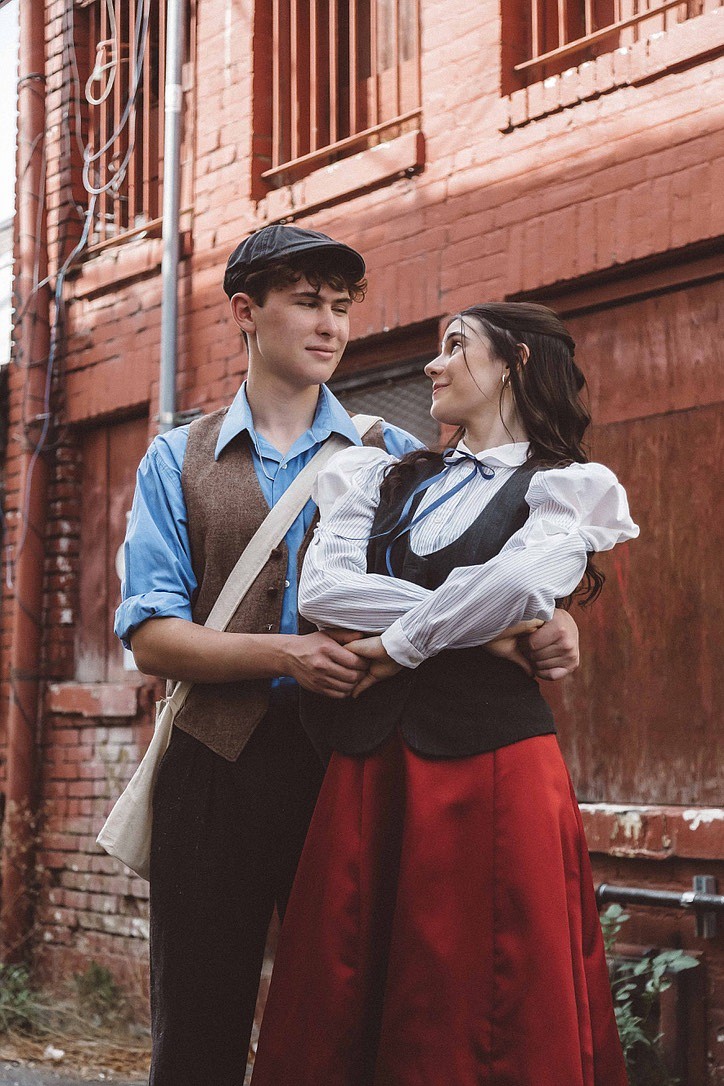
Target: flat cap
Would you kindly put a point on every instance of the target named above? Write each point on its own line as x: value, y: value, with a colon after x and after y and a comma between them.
x: 273, y: 243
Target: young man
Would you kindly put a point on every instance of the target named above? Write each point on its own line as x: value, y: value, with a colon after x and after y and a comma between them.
x: 238, y: 784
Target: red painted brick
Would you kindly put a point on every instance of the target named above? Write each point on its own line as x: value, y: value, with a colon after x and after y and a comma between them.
x: 595, y: 175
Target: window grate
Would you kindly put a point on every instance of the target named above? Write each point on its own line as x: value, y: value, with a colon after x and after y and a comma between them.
x: 402, y: 397
x: 345, y: 73
x: 581, y: 29
x: 124, y: 78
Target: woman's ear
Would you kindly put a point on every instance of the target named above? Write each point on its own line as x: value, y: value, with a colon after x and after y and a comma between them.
x: 524, y: 352
x: 241, y: 311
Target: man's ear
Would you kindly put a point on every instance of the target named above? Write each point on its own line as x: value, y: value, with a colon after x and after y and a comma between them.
x: 242, y: 312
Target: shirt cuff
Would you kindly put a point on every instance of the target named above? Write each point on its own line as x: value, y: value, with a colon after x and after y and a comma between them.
x: 137, y: 609
x: 397, y: 645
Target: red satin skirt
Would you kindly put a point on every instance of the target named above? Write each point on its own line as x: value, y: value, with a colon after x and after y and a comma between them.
x: 442, y: 931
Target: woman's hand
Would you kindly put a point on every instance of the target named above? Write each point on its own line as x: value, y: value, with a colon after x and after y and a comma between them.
x: 381, y: 666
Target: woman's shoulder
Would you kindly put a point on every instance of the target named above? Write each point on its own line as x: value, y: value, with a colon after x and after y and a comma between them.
x: 588, y: 495
x: 359, y: 467
x: 574, y: 479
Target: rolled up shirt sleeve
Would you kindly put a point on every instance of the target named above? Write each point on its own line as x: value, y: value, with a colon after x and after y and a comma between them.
x: 158, y: 577
x: 574, y: 511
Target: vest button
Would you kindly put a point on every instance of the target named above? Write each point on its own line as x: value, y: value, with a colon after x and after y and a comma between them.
x: 276, y: 553
x: 272, y: 590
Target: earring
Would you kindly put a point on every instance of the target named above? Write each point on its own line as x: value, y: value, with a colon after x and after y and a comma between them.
x: 502, y: 380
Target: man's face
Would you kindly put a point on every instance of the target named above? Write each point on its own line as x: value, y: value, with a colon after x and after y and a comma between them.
x: 299, y: 334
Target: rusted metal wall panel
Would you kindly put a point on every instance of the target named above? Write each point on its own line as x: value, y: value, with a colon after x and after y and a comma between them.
x: 641, y: 720
x: 111, y: 455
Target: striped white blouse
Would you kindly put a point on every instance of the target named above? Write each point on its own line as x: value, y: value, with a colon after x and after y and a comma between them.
x: 573, y: 510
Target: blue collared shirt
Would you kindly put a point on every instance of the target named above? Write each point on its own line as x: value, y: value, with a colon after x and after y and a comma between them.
x: 159, y: 581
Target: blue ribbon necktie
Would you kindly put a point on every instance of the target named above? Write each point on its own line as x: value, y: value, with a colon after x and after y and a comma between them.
x: 450, y: 458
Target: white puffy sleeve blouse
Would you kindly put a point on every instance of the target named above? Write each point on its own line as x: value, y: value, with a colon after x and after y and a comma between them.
x: 573, y: 511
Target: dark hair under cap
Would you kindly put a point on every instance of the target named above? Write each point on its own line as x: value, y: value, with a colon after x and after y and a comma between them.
x: 272, y: 243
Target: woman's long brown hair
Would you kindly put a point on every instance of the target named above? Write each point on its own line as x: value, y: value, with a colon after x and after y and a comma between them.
x: 547, y: 388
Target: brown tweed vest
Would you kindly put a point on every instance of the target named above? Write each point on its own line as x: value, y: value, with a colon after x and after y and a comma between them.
x: 225, y: 506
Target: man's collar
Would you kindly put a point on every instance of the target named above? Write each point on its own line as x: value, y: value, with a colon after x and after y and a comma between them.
x: 330, y: 418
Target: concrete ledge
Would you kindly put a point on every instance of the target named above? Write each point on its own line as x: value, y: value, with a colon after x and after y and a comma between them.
x: 654, y: 833
x: 93, y: 700
x: 374, y: 166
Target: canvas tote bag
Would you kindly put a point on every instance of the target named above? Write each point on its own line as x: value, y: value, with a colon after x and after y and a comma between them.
x: 126, y: 834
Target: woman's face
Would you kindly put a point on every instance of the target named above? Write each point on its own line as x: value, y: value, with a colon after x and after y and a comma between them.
x: 466, y: 376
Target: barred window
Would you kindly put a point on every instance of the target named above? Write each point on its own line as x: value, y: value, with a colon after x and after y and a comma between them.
x: 124, y: 43
x: 340, y: 75
x: 544, y: 37
x: 400, y: 394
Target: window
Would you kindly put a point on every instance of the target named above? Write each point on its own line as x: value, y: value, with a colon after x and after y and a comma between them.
x: 383, y: 375
x: 400, y: 394
x: 122, y: 90
x: 341, y: 75
x: 544, y: 37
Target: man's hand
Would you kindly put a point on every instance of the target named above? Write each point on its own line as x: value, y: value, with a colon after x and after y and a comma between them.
x: 509, y: 644
x: 320, y: 664
x: 553, y: 649
x: 547, y: 650
x: 381, y: 666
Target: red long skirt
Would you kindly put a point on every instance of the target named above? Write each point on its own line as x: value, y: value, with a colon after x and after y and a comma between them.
x: 442, y: 931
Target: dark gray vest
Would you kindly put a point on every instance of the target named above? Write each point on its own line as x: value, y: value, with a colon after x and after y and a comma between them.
x: 463, y: 701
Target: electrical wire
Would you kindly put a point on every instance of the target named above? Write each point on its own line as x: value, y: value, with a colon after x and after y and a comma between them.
x: 94, y: 190
x: 143, y: 13
x: 112, y: 65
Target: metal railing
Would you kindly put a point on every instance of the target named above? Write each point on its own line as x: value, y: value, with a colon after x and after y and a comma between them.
x: 563, y: 28
x: 344, y: 72
x: 701, y: 899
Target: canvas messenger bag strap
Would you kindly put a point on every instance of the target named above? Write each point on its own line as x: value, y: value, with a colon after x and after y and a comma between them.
x: 268, y: 536
x: 126, y: 833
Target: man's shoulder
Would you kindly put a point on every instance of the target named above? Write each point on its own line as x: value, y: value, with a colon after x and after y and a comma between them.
x: 387, y: 435
x: 399, y: 441
x: 205, y: 423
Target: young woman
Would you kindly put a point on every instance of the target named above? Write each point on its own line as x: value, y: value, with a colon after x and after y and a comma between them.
x: 443, y: 929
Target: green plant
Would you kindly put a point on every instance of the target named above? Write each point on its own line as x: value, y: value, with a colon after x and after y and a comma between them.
x: 17, y: 1002
x: 99, y: 996
x: 637, y: 986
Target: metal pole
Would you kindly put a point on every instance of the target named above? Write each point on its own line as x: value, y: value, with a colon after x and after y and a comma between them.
x: 171, y: 203
x: 32, y: 347
x: 675, y: 899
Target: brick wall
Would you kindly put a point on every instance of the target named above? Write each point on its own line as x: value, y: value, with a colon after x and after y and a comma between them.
x: 589, y: 191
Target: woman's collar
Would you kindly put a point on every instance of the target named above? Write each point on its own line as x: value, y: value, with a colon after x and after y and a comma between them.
x: 502, y: 456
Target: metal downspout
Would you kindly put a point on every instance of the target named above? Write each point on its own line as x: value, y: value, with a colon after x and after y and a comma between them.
x: 32, y: 348
x: 171, y: 198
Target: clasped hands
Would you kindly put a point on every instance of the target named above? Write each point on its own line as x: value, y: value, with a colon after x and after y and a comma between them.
x: 547, y: 650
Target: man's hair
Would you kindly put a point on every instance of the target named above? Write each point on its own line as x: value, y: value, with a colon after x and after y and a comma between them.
x: 319, y: 268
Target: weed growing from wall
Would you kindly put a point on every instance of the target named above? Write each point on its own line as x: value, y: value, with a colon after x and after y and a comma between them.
x: 637, y: 986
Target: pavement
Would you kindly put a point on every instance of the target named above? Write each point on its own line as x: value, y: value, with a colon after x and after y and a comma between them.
x: 15, y: 1074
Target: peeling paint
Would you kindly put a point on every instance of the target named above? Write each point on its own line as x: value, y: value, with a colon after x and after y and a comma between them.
x: 630, y: 822
x: 621, y: 808
x: 703, y: 816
